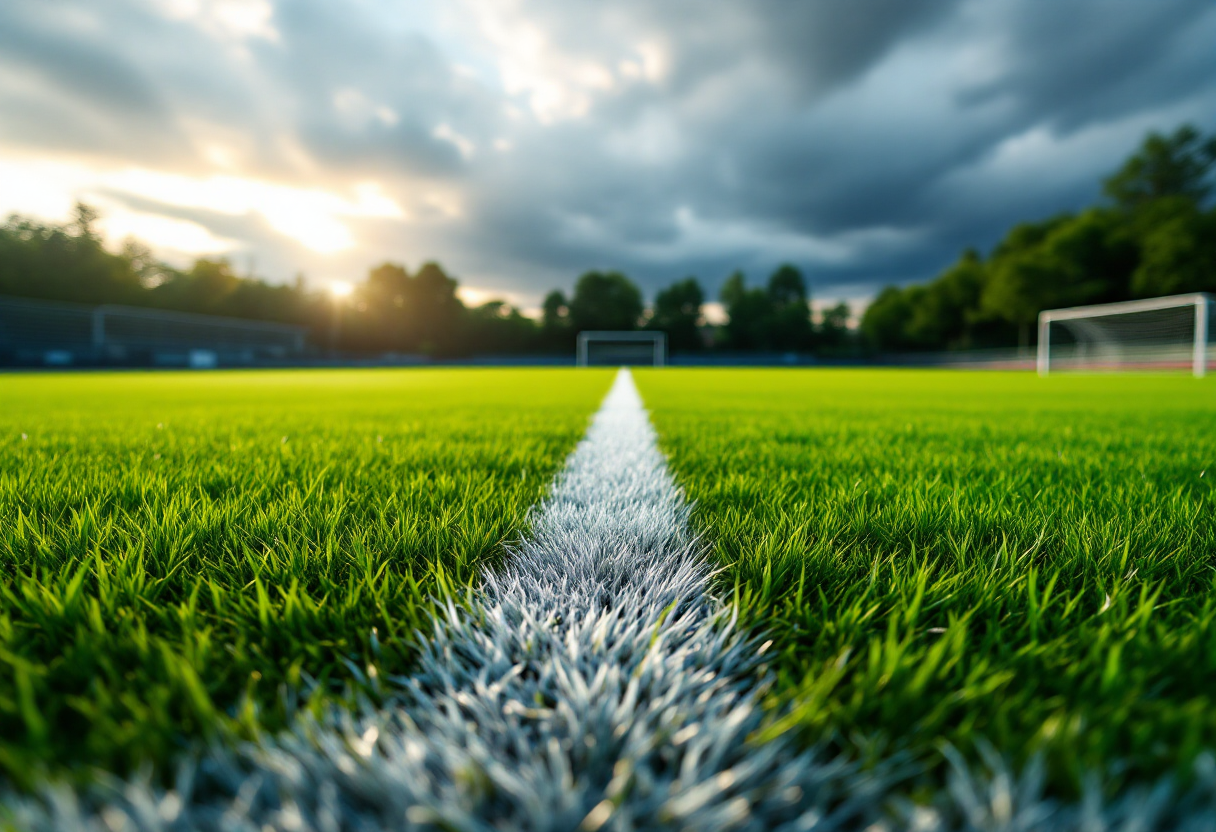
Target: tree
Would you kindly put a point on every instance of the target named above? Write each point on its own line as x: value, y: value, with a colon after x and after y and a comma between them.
x: 205, y: 288
x: 834, y: 326
x: 496, y: 327
x: 1065, y: 261
x: 787, y: 287
x: 555, y: 311
x: 749, y: 314
x: 941, y: 316
x: 389, y: 313
x: 557, y: 332
x: 64, y: 262
x: 606, y: 301
x: 1165, y: 166
x: 677, y: 312
x: 150, y: 271
x: 790, y: 325
x: 392, y: 310
x: 1157, y: 239
x: 884, y: 320
x: 400, y: 312
x: 408, y: 313
x: 934, y: 317
x: 1163, y: 188
x: 83, y: 225
x: 777, y: 317
x: 1177, y: 250
x: 389, y: 283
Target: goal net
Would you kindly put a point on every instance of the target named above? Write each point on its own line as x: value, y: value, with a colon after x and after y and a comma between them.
x: 622, y: 348
x: 1168, y: 333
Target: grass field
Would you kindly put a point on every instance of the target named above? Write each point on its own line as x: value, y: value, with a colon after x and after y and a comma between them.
x: 936, y: 556
x: 945, y: 556
x: 180, y: 551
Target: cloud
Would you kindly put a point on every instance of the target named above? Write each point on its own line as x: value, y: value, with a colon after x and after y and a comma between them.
x: 312, y: 217
x: 797, y: 152
x: 166, y: 233
x: 235, y: 19
x: 523, y: 141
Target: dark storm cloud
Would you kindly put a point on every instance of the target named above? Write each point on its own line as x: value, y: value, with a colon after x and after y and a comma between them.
x: 817, y: 46
x: 397, y: 90
x: 125, y: 80
x: 866, y: 140
x: 1090, y: 59
x: 857, y: 157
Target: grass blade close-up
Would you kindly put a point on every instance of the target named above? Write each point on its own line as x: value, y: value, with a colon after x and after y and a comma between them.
x: 185, y: 556
x: 978, y: 559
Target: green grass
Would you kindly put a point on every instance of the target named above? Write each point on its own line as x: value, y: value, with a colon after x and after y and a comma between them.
x: 177, y: 551
x: 950, y: 557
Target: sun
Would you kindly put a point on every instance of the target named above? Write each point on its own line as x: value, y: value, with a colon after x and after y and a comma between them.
x: 341, y: 289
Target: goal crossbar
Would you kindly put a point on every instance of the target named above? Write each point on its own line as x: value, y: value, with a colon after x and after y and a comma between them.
x: 588, y: 337
x: 1201, y: 302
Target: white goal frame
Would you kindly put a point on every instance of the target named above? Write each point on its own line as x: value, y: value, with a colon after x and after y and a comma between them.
x: 1199, y: 300
x: 658, y: 339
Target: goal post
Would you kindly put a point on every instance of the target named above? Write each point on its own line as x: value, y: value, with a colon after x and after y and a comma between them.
x: 1156, y: 333
x: 624, y: 347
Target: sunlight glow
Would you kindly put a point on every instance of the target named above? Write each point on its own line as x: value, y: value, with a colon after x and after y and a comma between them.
x: 165, y: 233
x: 232, y: 19
x: 341, y: 289
x: 320, y: 219
x: 474, y: 296
x: 310, y: 216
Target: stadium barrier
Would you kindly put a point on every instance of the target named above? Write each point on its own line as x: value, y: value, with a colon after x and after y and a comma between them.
x: 51, y: 333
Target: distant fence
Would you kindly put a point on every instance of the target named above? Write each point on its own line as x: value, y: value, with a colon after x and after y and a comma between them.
x: 1010, y: 358
x: 990, y: 359
x: 50, y: 333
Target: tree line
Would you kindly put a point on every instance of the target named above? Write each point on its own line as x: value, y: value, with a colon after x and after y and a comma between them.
x: 1153, y: 234
x: 395, y: 310
x: 775, y: 317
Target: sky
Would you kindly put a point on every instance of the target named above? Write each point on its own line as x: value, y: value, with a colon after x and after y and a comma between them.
x: 523, y: 142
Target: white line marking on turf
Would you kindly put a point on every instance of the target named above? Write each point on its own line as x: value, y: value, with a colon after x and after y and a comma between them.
x: 594, y: 684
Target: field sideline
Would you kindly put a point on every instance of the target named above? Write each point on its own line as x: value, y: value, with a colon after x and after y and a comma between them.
x: 965, y: 558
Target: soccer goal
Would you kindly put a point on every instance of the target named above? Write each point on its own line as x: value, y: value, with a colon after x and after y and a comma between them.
x: 620, y: 348
x: 1168, y: 333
